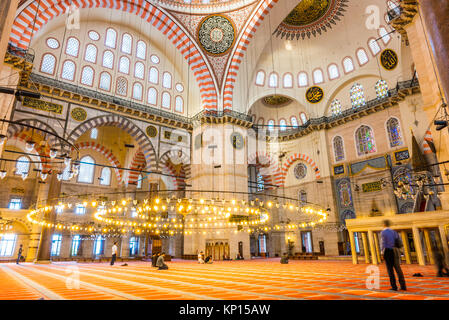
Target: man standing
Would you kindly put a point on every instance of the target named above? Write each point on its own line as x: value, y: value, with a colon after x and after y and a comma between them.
x: 114, y: 253
x: 161, y: 263
x: 390, y: 241
x: 19, y: 254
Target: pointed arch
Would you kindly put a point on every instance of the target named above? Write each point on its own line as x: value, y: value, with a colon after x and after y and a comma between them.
x: 268, y: 167
x: 168, y: 162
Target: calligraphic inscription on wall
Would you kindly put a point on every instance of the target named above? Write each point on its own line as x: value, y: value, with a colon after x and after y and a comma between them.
x: 17, y: 190
x: 372, y: 186
x: 237, y: 140
x: 79, y: 114
x: 151, y: 131
x: 402, y: 155
x: 216, y: 34
x: 42, y: 105
x: 339, y: 170
x: 314, y: 94
x: 389, y: 59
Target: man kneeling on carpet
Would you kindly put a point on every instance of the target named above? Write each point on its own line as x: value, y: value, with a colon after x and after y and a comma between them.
x: 161, y: 263
x: 284, y: 259
x: 208, y: 259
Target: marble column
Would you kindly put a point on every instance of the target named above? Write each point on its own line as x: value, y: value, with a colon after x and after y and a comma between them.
x: 8, y: 10
x: 377, y: 246
x: 33, y: 245
x: 372, y: 246
x: 418, y: 246
x: 404, y: 237
x: 429, y: 251
x: 365, y: 247
x: 444, y: 239
x: 353, y: 251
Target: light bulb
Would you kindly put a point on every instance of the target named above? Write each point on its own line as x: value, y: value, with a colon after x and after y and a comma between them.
x: 24, y: 175
x: 44, y: 175
x: 53, y: 153
x: 2, y: 139
x: 29, y: 146
x: 3, y: 174
x: 59, y: 176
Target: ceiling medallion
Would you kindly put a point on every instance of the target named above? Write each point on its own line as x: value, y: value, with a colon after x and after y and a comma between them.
x: 311, y: 18
x: 314, y: 94
x: 276, y: 100
x: 79, y: 114
x: 216, y: 34
x: 151, y: 131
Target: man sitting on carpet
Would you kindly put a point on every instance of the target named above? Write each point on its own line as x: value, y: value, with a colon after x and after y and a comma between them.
x: 284, y: 259
x: 161, y: 263
x: 208, y: 259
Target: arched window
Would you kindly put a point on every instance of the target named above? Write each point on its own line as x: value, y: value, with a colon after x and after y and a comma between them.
x: 394, y: 132
x: 383, y: 33
x: 374, y: 46
x: 105, y: 81
x: 94, y: 133
x: 318, y: 76
x: 364, y: 140
x: 73, y: 47
x: 260, y: 78
x: 273, y: 81
x: 288, y: 80
x: 141, y: 51
x: 283, y: 125
x: 111, y: 38
x: 87, y: 76
x: 166, y: 80
x: 137, y: 91
x: 48, y: 63
x: 271, y: 125
x: 67, y: 174
x: 335, y: 107
x: 108, y: 59
x: 302, y: 196
x: 122, y: 86
x: 139, y: 181
x: 381, y: 89
x: 22, y: 165
x: 333, y: 71
x: 179, y: 104
x: 105, y: 178
x: 357, y: 96
x: 68, y: 70
x: 124, y: 65
x: 166, y: 100
x: 294, y: 121
x: 303, y: 79
x: 139, y: 70
x: 91, y: 53
x: 362, y: 56
x: 339, y: 150
x: 127, y: 43
x: 154, y: 75
x: 152, y: 96
x: 348, y: 65
x: 303, y: 118
x: 86, y: 170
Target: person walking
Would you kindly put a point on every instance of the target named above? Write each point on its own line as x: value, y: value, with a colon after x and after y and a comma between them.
x: 390, y: 241
x: 114, y: 253
x: 440, y: 263
x: 19, y: 254
x: 161, y: 263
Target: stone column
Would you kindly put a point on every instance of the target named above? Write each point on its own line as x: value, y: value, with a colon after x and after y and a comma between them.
x: 353, y: 251
x: 428, y: 247
x: 418, y: 246
x: 9, y: 77
x: 372, y: 246
x: 8, y: 10
x: 33, y: 245
x: 124, y: 247
x: 444, y: 239
x: 365, y: 247
x: 404, y: 237
x: 376, y: 243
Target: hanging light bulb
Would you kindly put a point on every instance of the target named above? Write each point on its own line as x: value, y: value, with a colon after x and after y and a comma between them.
x: 44, y: 175
x: 53, y: 153
x: 59, y: 176
x: 24, y: 175
x: 2, y: 174
x: 29, y: 146
x: 2, y: 139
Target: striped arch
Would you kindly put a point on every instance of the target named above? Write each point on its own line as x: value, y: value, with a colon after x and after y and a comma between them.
x: 126, y: 125
x: 295, y: 157
x: 38, y: 150
x: 427, y: 141
x: 138, y: 163
x: 268, y: 167
x: 24, y: 27
x: 15, y: 128
x: 169, y: 160
x: 261, y: 12
x: 106, y: 152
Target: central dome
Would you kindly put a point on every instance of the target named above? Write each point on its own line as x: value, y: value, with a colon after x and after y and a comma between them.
x: 307, y: 12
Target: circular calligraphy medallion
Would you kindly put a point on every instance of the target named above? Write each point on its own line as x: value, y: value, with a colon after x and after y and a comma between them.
x: 300, y: 171
x: 151, y: 131
x: 79, y: 114
x: 314, y: 94
x: 237, y: 140
x: 389, y: 59
x: 216, y: 34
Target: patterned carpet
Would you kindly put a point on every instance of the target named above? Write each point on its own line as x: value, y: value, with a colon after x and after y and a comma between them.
x: 232, y: 280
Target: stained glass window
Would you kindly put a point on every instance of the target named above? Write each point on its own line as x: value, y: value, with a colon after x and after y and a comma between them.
x: 139, y: 181
x: 68, y: 70
x: 154, y: 75
x: 91, y: 53
x: 166, y: 80
x: 166, y: 100
x: 365, y: 141
x: 381, y: 89
x: 133, y: 246
x: 141, y: 52
x: 105, y: 178
x: 260, y: 182
x: 139, y: 70
x: 348, y: 65
x: 105, y: 81
x: 111, y: 38
x: 394, y: 132
x: 333, y: 72
x: 7, y: 242
x: 303, y: 79
x: 22, y: 165
x: 137, y: 91
x: 179, y: 104
x: 73, y: 46
x: 127, y: 42
x: 48, y: 64
x: 52, y: 43
x: 56, y: 244
x: 87, y: 77
x: 260, y: 78
x: 152, y: 96
x: 124, y: 65
x: 362, y: 56
x: 339, y: 150
x: 76, y: 244
x: 94, y: 133
x: 357, y: 96
x: 335, y: 107
x: 122, y: 86
x: 108, y: 59
x: 303, y: 196
x: 344, y: 191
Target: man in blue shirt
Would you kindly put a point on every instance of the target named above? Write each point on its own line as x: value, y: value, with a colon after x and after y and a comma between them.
x: 390, y: 241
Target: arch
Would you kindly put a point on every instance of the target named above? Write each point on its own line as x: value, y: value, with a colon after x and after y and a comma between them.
x: 15, y: 128
x: 124, y: 124
x: 106, y: 153
x: 295, y: 157
x: 25, y: 26
x: 138, y: 163
x: 169, y: 160
x: 268, y: 167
